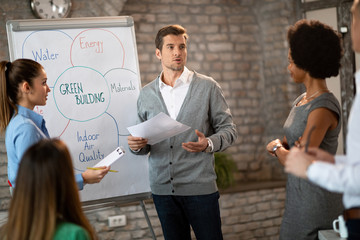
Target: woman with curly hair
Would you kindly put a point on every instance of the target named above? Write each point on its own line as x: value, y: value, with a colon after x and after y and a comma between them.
x: 314, y: 121
x: 46, y: 203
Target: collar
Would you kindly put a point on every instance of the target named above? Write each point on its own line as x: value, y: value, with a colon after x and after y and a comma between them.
x: 357, y: 81
x: 357, y: 76
x: 35, y: 117
x: 183, y: 79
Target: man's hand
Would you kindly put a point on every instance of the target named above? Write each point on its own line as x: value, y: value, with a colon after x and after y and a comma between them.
x: 198, y: 146
x: 297, y: 162
x: 321, y: 155
x: 136, y: 143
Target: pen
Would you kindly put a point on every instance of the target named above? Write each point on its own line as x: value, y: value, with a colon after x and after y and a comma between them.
x: 308, y: 138
x: 92, y: 168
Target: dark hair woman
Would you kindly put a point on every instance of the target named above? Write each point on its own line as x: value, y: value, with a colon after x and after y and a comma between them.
x: 315, y: 121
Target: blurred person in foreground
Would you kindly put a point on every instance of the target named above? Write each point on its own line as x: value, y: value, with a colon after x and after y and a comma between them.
x: 45, y: 203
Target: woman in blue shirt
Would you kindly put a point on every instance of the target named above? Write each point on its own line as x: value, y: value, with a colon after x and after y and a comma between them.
x: 46, y: 202
x: 23, y: 85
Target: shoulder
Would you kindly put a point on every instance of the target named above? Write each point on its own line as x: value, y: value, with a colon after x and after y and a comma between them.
x: 67, y: 230
x: 326, y: 100
x: 21, y: 125
x: 150, y: 88
x: 151, y: 84
x: 206, y: 84
x: 328, y: 97
x: 203, y: 79
x: 19, y: 120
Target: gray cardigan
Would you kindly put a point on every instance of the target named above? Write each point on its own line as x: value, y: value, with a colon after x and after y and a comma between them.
x: 173, y: 170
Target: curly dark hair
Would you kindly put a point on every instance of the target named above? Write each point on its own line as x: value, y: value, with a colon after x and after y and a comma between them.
x: 316, y: 48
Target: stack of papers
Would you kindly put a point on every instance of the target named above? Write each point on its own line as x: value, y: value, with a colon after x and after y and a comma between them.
x: 158, y: 128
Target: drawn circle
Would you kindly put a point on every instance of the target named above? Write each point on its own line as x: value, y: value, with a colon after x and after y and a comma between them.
x: 81, y: 94
x: 100, y: 45
x: 91, y: 141
x: 48, y: 52
x: 125, y: 88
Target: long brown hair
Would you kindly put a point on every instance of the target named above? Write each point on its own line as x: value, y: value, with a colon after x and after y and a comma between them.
x: 45, y: 194
x: 11, y: 76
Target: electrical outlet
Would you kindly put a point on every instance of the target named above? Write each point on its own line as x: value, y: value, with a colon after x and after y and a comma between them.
x: 117, y: 221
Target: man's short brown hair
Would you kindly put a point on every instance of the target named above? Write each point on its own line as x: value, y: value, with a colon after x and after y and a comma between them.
x: 169, y: 30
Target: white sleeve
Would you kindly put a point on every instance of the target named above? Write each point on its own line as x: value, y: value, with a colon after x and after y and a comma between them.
x: 340, y: 159
x: 337, y: 177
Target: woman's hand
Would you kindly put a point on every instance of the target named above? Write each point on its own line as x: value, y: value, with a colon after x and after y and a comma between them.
x: 94, y: 176
x: 271, y: 146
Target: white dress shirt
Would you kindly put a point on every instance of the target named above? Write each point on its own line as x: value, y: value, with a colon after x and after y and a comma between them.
x: 344, y: 175
x: 174, y: 96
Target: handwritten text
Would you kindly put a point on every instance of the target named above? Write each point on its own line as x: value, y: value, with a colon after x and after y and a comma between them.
x: 98, y: 45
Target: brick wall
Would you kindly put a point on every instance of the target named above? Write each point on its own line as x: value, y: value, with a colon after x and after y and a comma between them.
x: 240, y: 43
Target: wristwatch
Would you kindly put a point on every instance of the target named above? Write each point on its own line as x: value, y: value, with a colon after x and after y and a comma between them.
x: 276, y: 148
x: 209, y: 147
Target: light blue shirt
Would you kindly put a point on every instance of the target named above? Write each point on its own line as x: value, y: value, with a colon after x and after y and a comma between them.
x: 25, y: 129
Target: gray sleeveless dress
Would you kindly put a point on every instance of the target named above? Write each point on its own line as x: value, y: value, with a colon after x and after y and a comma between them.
x: 309, y: 208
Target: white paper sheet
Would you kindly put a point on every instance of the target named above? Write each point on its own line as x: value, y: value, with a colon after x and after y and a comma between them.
x: 111, y: 158
x: 158, y: 128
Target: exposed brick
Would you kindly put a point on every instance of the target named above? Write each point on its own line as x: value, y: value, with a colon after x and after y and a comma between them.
x: 179, y: 9
x: 212, y: 10
x: 219, y: 19
x: 166, y: 18
x: 158, y: 8
x: 220, y: 47
x: 146, y: 27
x: 238, y: 228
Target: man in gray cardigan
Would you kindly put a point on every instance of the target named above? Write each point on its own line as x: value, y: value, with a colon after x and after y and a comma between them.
x: 181, y: 168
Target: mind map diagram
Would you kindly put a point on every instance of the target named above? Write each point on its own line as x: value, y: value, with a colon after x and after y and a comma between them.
x: 94, y: 80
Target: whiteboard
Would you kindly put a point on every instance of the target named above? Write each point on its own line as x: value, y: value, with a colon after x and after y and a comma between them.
x: 94, y: 78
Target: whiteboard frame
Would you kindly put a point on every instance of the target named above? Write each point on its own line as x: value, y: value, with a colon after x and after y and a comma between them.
x: 115, y: 201
x: 41, y: 24
x: 72, y: 23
